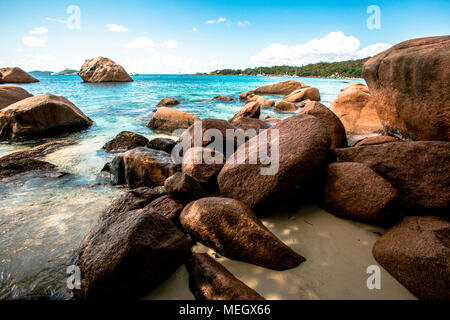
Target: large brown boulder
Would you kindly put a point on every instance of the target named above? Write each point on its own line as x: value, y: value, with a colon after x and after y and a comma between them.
x: 167, y: 119
x: 354, y: 191
x: 168, y: 102
x: 15, y: 75
x: 409, y: 87
x: 12, y: 94
x: 284, y: 106
x: 416, y: 252
x: 202, y: 164
x: 303, y: 94
x: 143, y: 167
x: 209, y: 280
x: 124, y: 141
x: 134, y: 199
x: 245, y: 123
x: 232, y: 229
x: 128, y: 254
x: 376, y: 140
x: 330, y: 120
x: 163, y: 144
x: 250, y: 110
x: 40, y: 116
x: 265, y: 103
x: 102, y: 69
x: 417, y: 170
x: 356, y: 114
x: 303, y: 144
x: 281, y: 88
x: 183, y: 187
x: 168, y: 207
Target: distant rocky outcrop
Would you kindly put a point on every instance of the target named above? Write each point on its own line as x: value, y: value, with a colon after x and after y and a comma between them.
x: 409, y: 87
x: 12, y: 94
x: 40, y: 116
x: 15, y: 75
x: 102, y: 69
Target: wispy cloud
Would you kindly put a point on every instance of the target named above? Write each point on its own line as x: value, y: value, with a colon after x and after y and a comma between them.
x: 34, y: 41
x: 38, y: 30
x: 221, y: 19
x: 116, y: 28
x: 243, y: 23
x: 194, y: 29
x: 140, y: 43
x: 170, y: 44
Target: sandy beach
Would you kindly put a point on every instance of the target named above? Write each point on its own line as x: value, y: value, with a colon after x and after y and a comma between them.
x: 338, y: 252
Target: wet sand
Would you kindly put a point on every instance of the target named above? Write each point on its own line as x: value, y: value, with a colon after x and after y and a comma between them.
x: 338, y: 252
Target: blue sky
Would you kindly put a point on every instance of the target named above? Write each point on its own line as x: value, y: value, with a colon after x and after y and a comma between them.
x: 189, y: 36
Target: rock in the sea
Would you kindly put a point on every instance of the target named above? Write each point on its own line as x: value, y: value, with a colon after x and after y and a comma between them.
x: 330, y: 120
x: 163, y: 144
x: 167, y: 119
x: 250, y: 110
x: 245, y: 123
x: 15, y: 75
x: 102, y: 69
x: 416, y: 252
x: 168, y: 102
x: 284, y: 106
x: 409, y: 87
x: 303, y: 94
x: 124, y: 141
x: 265, y: 103
x: 168, y: 207
x: 143, y: 167
x: 232, y: 229
x: 245, y: 96
x: 223, y: 98
x: 354, y: 191
x: 417, y: 170
x: 303, y: 143
x: 203, y: 164
x: 12, y: 167
x: 40, y: 116
x: 184, y: 187
x: 282, y: 88
x: 134, y: 199
x: 356, y: 114
x: 359, y: 85
x: 12, y: 94
x: 376, y: 140
x: 38, y: 151
x: 209, y: 280
x: 129, y: 254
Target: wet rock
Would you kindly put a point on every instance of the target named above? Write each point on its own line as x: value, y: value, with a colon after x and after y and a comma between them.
x: 40, y: 116
x: 250, y: 110
x: 168, y: 207
x: 167, y: 119
x: 129, y: 254
x: 354, y: 191
x: 15, y: 75
x: 416, y: 252
x: 232, y: 229
x: 259, y: 184
x: 163, y: 144
x: 303, y: 94
x: 265, y: 103
x: 410, y: 90
x: 9, y: 168
x: 330, y: 120
x: 209, y: 280
x: 102, y: 69
x: 12, y: 94
x: 223, y: 98
x: 168, y: 102
x: 182, y: 186
x: 38, y: 151
x: 203, y: 164
x: 284, y: 106
x: 124, y: 141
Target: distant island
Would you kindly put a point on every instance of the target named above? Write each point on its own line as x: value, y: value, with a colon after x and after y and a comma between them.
x: 342, y: 69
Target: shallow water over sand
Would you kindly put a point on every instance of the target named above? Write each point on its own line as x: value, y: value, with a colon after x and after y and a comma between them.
x: 44, y: 219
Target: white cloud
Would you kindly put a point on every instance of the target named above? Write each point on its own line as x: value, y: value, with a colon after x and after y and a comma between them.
x: 335, y: 46
x: 141, y: 43
x: 170, y: 44
x: 116, y: 28
x: 221, y: 19
x: 243, y: 23
x: 194, y: 29
x: 38, y: 30
x: 34, y: 41
x: 20, y: 50
x: 38, y: 61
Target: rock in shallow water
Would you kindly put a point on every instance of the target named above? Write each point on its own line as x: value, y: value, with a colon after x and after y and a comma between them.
x: 182, y: 186
x: 168, y: 102
x: 163, y: 144
x: 124, y: 141
x: 15, y: 75
x: 128, y: 254
x: 416, y: 252
x: 232, y: 229
x: 209, y: 280
x: 12, y: 94
x: 285, y: 87
x: 102, y: 69
x: 167, y: 119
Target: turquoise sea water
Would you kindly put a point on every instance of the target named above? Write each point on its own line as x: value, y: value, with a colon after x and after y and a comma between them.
x: 43, y: 220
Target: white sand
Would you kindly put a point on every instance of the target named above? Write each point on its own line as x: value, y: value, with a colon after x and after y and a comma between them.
x: 338, y: 252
